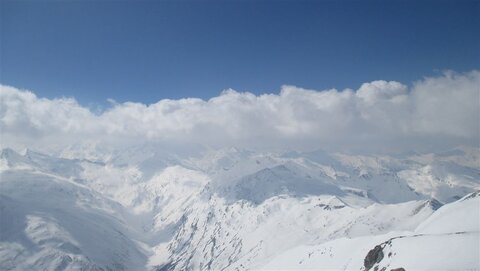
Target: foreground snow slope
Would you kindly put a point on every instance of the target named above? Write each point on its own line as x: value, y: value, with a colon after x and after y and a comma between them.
x: 243, y: 235
x: 448, y: 240
x: 144, y: 208
x: 50, y: 223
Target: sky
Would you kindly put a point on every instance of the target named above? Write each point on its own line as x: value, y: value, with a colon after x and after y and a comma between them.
x: 146, y: 51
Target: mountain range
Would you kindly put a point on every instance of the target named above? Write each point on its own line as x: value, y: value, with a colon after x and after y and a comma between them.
x: 147, y: 208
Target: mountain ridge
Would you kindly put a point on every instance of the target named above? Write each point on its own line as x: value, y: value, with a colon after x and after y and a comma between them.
x: 229, y: 209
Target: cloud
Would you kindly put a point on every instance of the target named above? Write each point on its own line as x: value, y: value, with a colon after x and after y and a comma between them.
x: 435, y: 112
x: 376, y: 91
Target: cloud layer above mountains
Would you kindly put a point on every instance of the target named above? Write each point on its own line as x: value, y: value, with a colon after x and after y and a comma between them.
x: 436, y: 112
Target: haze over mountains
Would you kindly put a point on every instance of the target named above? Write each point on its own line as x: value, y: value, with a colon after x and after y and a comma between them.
x: 383, y: 177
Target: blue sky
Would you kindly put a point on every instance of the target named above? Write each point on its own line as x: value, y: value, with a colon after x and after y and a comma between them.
x: 145, y: 51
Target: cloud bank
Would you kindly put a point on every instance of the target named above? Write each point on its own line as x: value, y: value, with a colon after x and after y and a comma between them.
x: 435, y: 112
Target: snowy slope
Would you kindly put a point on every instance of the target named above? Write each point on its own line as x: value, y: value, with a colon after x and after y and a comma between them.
x: 448, y: 240
x: 148, y: 208
x: 49, y: 223
x: 243, y: 235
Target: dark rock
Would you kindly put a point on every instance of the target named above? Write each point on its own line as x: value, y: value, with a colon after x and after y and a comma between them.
x: 374, y: 256
x: 435, y: 204
x: 398, y: 269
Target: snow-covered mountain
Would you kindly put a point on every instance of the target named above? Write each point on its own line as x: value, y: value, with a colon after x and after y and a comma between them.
x: 449, y: 239
x: 148, y: 208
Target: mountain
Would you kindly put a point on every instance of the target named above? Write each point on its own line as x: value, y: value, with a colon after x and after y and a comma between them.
x: 150, y: 208
x: 448, y: 240
x: 52, y: 223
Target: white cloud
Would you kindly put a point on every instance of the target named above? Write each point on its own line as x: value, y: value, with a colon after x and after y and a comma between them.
x: 376, y: 91
x: 435, y: 112
x: 448, y: 105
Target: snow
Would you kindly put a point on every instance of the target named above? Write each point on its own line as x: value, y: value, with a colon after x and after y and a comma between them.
x: 444, y: 220
x: 454, y: 227
x: 49, y: 222
x: 144, y: 208
x: 454, y: 251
